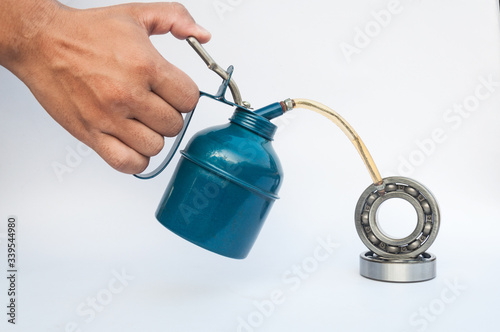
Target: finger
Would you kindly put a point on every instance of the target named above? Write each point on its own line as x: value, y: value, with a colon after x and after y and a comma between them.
x: 160, y: 18
x: 160, y: 116
x: 137, y: 136
x: 174, y: 86
x: 118, y: 155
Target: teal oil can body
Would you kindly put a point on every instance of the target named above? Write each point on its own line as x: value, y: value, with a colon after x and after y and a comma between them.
x: 224, y: 185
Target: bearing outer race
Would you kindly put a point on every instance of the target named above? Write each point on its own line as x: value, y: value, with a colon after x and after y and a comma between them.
x: 397, y: 270
x: 371, y: 220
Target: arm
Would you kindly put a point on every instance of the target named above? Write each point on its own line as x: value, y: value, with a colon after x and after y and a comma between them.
x: 97, y: 74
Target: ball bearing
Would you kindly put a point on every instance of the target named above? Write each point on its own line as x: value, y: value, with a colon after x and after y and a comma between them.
x: 420, y: 268
x: 420, y: 238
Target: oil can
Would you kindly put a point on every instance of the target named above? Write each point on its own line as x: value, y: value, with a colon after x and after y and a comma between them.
x: 224, y: 185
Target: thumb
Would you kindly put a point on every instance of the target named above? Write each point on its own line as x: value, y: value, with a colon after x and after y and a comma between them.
x: 163, y: 17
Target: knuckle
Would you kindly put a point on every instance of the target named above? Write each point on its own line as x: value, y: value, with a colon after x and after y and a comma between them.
x: 124, y: 164
x: 179, y: 8
x: 122, y: 92
x: 174, y: 126
x: 105, y: 124
x: 156, y: 145
x: 119, y: 162
x: 189, y: 100
x: 96, y: 121
x: 147, y: 66
x: 116, y: 96
x: 141, y: 166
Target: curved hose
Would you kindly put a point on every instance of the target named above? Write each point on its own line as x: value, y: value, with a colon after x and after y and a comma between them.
x: 347, y: 129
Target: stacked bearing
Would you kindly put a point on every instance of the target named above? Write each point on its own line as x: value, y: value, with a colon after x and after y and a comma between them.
x: 403, y: 259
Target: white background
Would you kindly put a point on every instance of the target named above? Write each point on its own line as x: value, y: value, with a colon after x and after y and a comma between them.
x: 74, y: 235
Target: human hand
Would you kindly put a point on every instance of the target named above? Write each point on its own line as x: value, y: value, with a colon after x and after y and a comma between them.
x: 97, y: 74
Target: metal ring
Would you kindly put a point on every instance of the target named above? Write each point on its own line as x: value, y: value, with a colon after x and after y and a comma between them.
x: 417, y: 195
x: 373, y: 222
x: 421, y: 268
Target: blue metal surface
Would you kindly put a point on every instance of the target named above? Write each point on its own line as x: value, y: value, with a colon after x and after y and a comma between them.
x: 224, y: 185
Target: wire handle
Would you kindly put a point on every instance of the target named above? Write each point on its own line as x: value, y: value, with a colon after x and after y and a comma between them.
x: 212, y: 65
x: 219, y: 96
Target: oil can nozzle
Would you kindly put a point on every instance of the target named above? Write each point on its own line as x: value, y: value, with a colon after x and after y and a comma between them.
x: 276, y: 109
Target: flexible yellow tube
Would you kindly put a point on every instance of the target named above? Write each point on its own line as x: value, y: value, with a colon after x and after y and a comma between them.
x: 347, y: 129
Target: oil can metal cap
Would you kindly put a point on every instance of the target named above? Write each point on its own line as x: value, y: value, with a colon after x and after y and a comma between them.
x: 254, y: 122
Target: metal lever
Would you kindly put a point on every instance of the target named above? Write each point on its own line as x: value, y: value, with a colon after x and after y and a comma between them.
x: 212, y: 65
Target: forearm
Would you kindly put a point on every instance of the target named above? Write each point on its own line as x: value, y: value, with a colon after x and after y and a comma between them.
x: 21, y: 22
